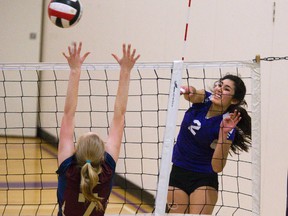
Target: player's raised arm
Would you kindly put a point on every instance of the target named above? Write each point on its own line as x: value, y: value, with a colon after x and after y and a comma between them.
x: 75, y: 61
x: 126, y: 63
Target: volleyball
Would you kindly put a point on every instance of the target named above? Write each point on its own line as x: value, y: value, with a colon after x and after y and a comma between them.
x: 65, y: 13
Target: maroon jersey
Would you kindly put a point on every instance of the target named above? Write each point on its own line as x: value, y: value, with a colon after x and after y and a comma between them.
x: 70, y: 199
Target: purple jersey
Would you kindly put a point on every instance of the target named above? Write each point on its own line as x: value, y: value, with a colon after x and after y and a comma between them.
x: 70, y: 199
x: 197, y: 138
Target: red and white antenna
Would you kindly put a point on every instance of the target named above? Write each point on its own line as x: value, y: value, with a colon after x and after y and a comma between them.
x: 186, y: 29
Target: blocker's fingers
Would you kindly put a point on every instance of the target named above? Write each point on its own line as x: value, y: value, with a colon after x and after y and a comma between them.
x: 69, y: 50
x: 133, y: 53
x: 64, y: 55
x: 124, y: 49
x: 79, y: 48
x: 129, y: 50
x: 138, y: 56
x: 74, y: 48
x: 116, y: 57
x: 85, y: 56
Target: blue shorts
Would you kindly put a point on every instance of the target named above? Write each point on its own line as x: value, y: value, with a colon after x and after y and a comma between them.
x: 189, y: 181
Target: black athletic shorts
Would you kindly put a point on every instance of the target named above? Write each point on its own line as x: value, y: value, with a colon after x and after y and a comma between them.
x: 189, y: 181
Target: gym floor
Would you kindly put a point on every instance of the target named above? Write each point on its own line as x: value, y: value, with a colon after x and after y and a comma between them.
x: 28, y: 181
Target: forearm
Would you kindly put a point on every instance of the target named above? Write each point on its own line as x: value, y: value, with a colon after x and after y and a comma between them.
x: 194, y: 96
x: 72, y: 92
x: 122, y: 93
x: 221, y: 152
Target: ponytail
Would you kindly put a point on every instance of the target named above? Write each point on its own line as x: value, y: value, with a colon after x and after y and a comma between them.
x: 90, y: 152
x: 242, y: 140
x: 89, y: 180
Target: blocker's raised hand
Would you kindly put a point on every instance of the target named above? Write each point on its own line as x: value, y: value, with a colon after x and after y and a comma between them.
x: 128, y: 59
x: 74, y: 58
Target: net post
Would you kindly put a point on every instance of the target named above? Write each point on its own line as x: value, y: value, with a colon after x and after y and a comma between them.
x: 168, y: 141
x: 256, y: 139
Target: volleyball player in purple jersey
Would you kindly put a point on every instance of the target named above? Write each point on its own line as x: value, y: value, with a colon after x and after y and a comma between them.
x: 215, y: 124
x: 85, y: 171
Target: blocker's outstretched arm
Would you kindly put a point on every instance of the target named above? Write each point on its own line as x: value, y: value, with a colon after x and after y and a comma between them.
x: 66, y: 146
x: 117, y: 125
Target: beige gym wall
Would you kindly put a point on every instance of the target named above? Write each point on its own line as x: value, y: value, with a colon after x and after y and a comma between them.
x: 218, y: 30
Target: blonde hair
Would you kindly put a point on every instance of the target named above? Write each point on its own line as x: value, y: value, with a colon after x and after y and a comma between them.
x: 89, y: 154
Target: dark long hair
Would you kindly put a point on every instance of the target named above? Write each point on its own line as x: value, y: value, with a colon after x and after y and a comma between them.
x: 242, y: 140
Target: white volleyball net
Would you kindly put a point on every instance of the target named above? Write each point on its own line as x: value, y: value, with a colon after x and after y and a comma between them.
x: 32, y: 100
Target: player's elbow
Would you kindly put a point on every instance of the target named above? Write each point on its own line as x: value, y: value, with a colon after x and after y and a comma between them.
x: 217, y: 169
x: 217, y: 166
